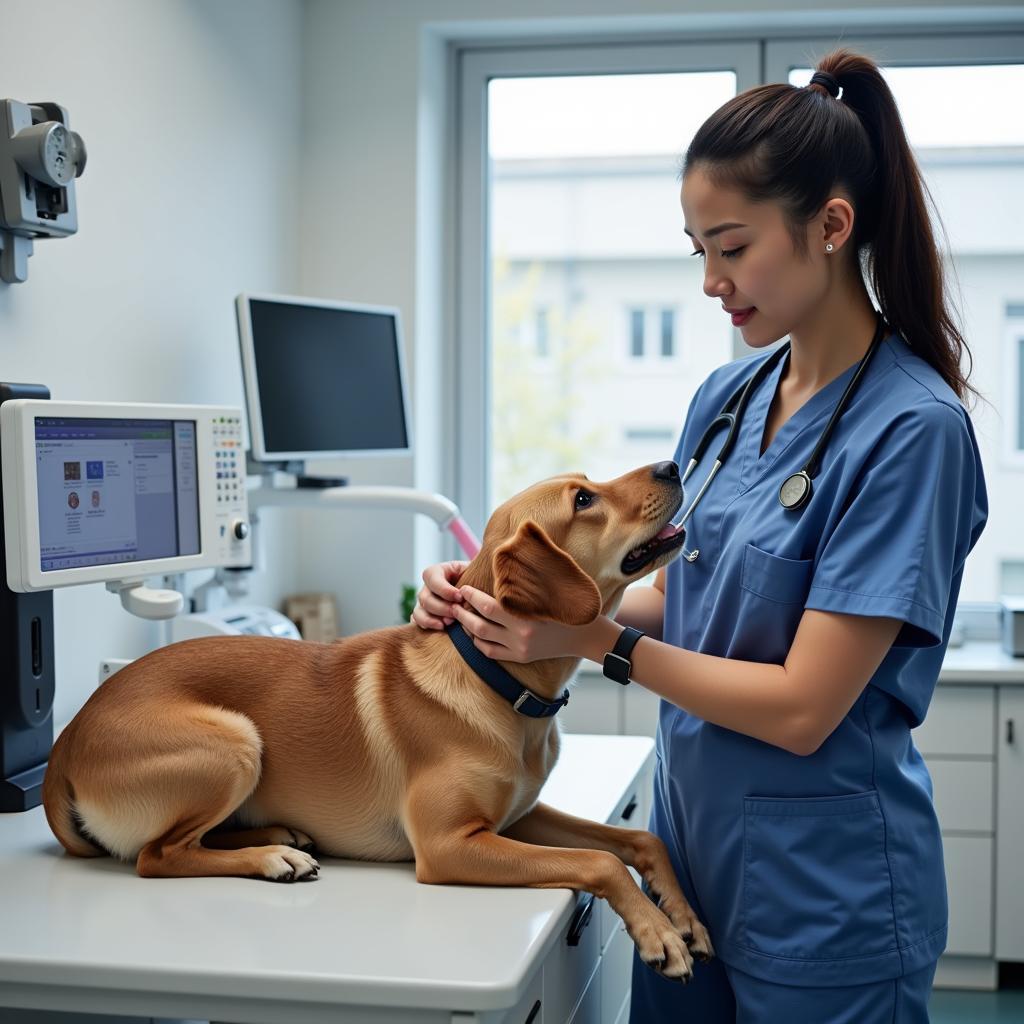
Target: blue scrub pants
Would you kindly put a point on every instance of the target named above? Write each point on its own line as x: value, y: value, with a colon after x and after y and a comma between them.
x: 720, y: 994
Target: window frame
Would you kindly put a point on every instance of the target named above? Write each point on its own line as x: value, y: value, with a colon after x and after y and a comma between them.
x: 1013, y: 390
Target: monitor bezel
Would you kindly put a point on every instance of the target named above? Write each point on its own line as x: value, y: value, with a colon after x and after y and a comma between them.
x: 254, y: 412
x: 21, y: 492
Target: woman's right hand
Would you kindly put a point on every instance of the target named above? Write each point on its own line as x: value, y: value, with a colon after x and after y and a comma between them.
x: 434, y: 602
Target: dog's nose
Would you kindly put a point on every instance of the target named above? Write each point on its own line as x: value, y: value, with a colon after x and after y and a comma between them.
x: 666, y: 471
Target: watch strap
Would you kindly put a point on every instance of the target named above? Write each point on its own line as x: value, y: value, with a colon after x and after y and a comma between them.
x: 617, y: 665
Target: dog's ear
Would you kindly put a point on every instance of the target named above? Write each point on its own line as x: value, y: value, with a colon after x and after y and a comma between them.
x: 536, y: 578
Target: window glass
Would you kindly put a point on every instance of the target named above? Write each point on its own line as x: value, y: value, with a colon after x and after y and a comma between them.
x: 585, y: 222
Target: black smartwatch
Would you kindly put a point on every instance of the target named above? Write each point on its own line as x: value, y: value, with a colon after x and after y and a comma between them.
x: 617, y: 665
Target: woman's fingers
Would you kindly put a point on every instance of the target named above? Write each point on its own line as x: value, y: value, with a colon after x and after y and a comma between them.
x: 479, y: 627
x: 439, y: 579
x: 486, y: 606
x: 424, y: 620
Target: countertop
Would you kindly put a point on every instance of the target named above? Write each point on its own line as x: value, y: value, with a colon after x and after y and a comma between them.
x: 980, y: 662
x: 363, y: 934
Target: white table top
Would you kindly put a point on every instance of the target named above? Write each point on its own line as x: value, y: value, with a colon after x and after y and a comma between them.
x: 363, y: 934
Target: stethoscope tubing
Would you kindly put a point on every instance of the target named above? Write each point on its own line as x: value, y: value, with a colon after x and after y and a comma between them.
x: 731, y: 416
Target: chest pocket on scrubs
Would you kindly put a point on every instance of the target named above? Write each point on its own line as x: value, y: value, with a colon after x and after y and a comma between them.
x: 773, y: 592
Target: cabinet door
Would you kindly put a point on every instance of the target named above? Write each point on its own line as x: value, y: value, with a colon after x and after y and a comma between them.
x: 969, y: 883
x: 1010, y: 825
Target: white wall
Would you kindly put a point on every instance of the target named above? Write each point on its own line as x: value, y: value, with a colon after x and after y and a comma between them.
x: 190, y: 113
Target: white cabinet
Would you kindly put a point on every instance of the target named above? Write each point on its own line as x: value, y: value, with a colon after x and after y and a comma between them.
x: 1010, y: 830
x: 589, y: 982
x: 957, y: 741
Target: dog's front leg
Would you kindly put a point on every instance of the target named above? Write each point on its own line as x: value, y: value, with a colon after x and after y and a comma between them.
x: 637, y: 848
x: 465, y: 849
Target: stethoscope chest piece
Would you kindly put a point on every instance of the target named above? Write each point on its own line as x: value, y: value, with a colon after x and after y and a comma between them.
x: 795, y: 490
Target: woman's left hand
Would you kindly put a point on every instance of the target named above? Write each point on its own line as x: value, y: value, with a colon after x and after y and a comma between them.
x: 506, y: 637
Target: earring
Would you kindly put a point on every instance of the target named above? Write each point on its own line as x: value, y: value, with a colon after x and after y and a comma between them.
x: 829, y: 247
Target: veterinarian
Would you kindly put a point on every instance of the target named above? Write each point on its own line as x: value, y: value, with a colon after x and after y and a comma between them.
x: 801, y: 645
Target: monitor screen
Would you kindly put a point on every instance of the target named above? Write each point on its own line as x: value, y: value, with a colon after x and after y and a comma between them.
x: 328, y: 379
x: 115, y: 490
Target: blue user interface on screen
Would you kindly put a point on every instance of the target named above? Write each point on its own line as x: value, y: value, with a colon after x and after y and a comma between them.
x: 115, y: 490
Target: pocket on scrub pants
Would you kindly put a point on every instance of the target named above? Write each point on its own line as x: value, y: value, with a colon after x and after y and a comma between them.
x: 816, y: 883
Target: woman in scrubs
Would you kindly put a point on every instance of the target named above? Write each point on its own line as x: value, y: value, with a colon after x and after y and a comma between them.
x: 797, y: 652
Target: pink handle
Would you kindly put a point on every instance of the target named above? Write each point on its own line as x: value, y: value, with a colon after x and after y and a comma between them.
x: 465, y: 536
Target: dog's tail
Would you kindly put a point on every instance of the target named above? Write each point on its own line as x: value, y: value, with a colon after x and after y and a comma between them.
x: 59, y: 805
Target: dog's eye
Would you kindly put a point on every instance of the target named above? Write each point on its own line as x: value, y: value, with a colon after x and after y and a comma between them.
x: 583, y: 500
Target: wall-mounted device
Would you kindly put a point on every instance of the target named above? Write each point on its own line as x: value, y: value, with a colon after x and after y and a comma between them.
x: 323, y: 380
x: 39, y: 159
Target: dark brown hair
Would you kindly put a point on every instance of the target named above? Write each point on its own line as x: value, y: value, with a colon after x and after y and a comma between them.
x: 796, y: 146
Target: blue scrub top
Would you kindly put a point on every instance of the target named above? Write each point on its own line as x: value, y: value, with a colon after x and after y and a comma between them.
x: 825, y: 869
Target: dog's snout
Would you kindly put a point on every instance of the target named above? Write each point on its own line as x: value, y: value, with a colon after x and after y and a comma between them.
x: 665, y: 471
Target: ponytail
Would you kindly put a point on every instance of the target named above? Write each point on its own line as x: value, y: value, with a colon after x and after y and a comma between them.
x: 794, y: 146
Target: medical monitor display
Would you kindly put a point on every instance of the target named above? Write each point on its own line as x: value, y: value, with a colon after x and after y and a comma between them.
x: 115, y: 490
x: 322, y: 380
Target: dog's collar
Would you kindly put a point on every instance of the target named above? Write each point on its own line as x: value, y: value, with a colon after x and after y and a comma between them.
x: 523, y: 700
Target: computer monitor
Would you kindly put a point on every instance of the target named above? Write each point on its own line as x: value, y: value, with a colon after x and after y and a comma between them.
x: 97, y: 491
x: 322, y: 379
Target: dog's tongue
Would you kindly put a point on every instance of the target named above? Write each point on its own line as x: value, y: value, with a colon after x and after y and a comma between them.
x: 669, y: 531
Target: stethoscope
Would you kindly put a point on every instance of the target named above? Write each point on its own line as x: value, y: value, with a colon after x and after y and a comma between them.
x: 796, y: 489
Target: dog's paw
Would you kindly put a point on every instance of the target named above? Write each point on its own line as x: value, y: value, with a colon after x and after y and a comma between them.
x: 662, y: 948
x: 692, y: 932
x: 285, y: 864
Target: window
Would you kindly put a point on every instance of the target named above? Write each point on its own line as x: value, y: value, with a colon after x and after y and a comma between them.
x: 541, y: 325
x: 577, y: 212
x: 1014, y: 397
x: 668, y: 332
x: 636, y: 333
x: 644, y: 435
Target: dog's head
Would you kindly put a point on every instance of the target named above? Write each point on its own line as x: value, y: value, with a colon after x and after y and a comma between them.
x: 566, y: 548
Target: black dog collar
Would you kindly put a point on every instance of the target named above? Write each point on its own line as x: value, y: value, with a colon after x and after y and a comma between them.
x: 525, y: 701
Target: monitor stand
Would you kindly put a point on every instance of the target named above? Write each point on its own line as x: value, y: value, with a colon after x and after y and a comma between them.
x: 26, y: 674
x: 297, y: 469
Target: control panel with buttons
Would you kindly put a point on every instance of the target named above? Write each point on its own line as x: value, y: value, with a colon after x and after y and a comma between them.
x: 230, y: 506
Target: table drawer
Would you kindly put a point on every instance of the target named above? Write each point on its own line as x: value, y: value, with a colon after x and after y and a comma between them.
x: 961, y: 720
x: 634, y: 815
x: 964, y: 794
x: 567, y: 969
x: 589, y: 1009
x: 529, y: 1009
x: 969, y: 881
x: 616, y: 974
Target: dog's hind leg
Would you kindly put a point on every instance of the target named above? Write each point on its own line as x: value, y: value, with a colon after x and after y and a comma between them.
x: 272, y: 835
x: 174, y: 787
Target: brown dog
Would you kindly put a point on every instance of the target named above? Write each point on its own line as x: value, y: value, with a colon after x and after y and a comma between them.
x: 234, y: 755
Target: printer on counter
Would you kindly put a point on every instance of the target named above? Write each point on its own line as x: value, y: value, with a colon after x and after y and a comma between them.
x: 1013, y: 626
